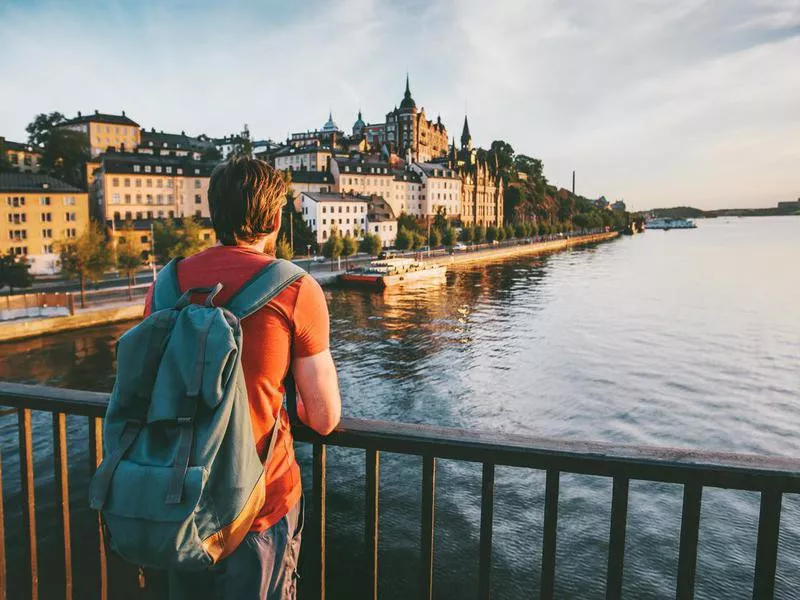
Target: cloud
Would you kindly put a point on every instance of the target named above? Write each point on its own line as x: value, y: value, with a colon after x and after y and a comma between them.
x: 657, y: 102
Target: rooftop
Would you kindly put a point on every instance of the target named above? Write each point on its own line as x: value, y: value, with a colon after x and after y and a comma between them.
x: 34, y: 182
x: 159, y: 139
x: 18, y: 146
x: 331, y: 197
x: 99, y: 117
x: 305, y: 176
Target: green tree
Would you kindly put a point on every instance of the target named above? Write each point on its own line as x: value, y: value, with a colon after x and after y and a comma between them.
x: 175, y: 239
x: 440, y: 220
x: 371, y: 244
x: 211, y: 154
x: 491, y: 234
x: 283, y: 249
x: 333, y: 246
x: 14, y: 272
x: 466, y: 234
x: 129, y: 260
x: 418, y: 239
x: 509, y: 231
x: 42, y: 126
x: 86, y: 257
x: 349, y: 247
x: 435, y: 238
x: 5, y: 164
x: 501, y: 160
x: 407, y: 222
x: 501, y: 233
x: 404, y: 239
x: 449, y: 237
x: 532, y: 167
x: 520, y: 230
x: 64, y: 155
x: 479, y: 234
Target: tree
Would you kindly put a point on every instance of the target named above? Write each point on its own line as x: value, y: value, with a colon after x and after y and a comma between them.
x: 87, y: 257
x: 64, y: 155
x: 173, y: 239
x: 407, y: 222
x: 520, y: 230
x: 349, y: 247
x: 333, y: 246
x: 491, y: 234
x: 404, y: 240
x: 440, y: 220
x: 5, y: 164
x: 479, y: 234
x: 501, y: 160
x: 435, y: 238
x: 211, y: 154
x: 501, y: 233
x: 510, y: 231
x: 371, y: 244
x: 42, y: 126
x: 466, y: 234
x: 418, y: 240
x: 14, y: 272
x: 532, y: 167
x: 449, y: 237
x: 283, y: 249
x: 129, y: 260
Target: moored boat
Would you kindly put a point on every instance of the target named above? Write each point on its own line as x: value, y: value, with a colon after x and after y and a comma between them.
x: 667, y: 223
x: 390, y: 272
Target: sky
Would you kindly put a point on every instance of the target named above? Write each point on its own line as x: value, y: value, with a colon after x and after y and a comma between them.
x: 660, y: 103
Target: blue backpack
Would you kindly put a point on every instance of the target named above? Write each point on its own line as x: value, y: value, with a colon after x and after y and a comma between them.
x: 181, y: 481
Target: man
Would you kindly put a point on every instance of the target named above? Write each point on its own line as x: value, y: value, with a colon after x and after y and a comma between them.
x: 246, y: 197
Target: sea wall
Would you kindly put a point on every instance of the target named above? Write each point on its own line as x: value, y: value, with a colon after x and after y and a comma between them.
x: 26, y: 328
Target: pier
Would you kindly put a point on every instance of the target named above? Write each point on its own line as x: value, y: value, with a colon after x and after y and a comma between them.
x: 695, y: 471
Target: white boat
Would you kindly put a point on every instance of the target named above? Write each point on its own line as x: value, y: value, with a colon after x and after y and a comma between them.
x: 393, y: 271
x: 667, y: 223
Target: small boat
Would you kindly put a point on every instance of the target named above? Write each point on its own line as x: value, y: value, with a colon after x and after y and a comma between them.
x: 392, y: 271
x: 667, y: 223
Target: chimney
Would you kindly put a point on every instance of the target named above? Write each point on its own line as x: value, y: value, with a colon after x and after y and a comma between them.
x: 123, y: 113
x: 183, y: 132
x: 79, y: 114
x: 97, y: 112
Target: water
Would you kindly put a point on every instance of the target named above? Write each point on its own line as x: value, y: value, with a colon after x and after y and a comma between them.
x: 679, y: 338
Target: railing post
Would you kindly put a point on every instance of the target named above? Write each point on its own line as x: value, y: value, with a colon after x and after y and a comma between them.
x: 319, y: 484
x: 487, y: 515
x: 3, y: 580
x: 371, y: 521
x: 426, y: 544
x: 28, y: 500
x: 616, y: 541
x: 549, y: 535
x: 690, y: 527
x: 62, y: 489
x: 769, y: 521
x: 95, y: 457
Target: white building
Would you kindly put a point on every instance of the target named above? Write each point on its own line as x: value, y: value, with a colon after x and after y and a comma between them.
x: 442, y: 187
x: 309, y: 158
x: 325, y: 211
x: 382, y: 221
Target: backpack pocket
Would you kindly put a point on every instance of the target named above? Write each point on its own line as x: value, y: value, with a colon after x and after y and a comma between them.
x: 145, y: 529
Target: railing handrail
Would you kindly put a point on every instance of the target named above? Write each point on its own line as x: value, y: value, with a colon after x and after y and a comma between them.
x: 646, y: 463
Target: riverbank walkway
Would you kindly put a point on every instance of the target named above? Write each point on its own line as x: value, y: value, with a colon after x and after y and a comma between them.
x: 110, y: 305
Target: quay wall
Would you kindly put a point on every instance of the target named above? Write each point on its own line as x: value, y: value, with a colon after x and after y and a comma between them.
x: 27, y: 328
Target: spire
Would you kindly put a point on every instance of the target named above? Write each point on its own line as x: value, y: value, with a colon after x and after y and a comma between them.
x: 466, y: 138
x: 408, y: 102
x: 408, y: 89
x: 359, y: 114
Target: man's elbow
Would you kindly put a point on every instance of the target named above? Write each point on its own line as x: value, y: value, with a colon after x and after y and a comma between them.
x: 325, y: 426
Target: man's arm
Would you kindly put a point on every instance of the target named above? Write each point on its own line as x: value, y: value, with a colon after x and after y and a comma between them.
x: 318, y: 404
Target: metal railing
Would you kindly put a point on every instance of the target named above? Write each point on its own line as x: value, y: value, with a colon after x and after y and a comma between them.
x: 771, y: 476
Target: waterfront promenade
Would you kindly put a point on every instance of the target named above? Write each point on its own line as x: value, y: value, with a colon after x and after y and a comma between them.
x: 121, y: 311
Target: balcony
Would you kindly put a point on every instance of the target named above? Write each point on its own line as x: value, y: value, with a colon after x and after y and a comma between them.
x: 772, y: 477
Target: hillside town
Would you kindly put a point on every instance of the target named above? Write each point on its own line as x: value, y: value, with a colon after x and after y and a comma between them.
x: 368, y: 180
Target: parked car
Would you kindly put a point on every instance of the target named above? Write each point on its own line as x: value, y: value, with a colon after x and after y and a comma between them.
x: 387, y: 254
x: 319, y: 258
x: 459, y: 246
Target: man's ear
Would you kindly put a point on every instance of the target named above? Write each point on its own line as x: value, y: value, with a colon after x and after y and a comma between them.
x: 276, y: 222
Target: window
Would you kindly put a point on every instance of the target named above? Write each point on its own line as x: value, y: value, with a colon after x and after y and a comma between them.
x: 161, y: 214
x: 127, y: 198
x: 71, y: 216
x: 149, y: 214
x: 143, y: 239
x: 197, y: 171
x: 47, y: 249
x: 138, y: 198
x: 44, y: 201
x: 160, y: 199
x: 127, y: 182
x: 47, y: 233
x: 128, y: 214
x: 158, y: 169
x: 138, y: 215
x: 206, y: 236
x: 69, y: 201
x: 71, y: 233
x: 136, y: 168
x: 138, y: 182
x: 149, y: 182
x: 198, y: 199
x: 323, y: 209
x: 115, y: 199
x: 180, y: 171
x: 376, y: 229
x: 172, y: 214
x: 169, y: 198
x: 196, y: 184
x: 169, y: 169
x: 149, y: 198
x: 115, y: 182
x: 324, y: 234
x: 198, y: 213
x: 324, y: 222
x: 159, y: 183
x: 147, y: 169
x: 169, y: 183
x: 340, y: 210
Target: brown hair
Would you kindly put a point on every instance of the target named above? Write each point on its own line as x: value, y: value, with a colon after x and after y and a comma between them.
x: 244, y: 196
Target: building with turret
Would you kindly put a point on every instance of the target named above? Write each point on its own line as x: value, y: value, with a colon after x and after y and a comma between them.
x: 413, y: 136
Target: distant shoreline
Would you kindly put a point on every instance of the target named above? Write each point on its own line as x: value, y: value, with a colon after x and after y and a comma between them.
x: 785, y: 209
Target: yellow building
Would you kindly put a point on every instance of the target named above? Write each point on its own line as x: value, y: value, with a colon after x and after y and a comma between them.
x: 105, y: 131
x: 38, y: 213
x: 139, y: 186
x: 22, y: 157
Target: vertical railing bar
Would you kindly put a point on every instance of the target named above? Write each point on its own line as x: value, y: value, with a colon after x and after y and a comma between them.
x: 549, y: 535
x: 427, y: 524
x: 95, y: 457
x: 769, y: 521
x: 616, y: 540
x: 487, y: 516
x: 319, y: 485
x: 690, y: 530
x: 3, y: 580
x: 62, y: 489
x: 28, y: 499
x: 371, y: 520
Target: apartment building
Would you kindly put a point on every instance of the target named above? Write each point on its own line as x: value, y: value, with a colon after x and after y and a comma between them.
x: 442, y: 187
x: 313, y: 157
x: 324, y: 212
x: 104, y: 131
x: 37, y: 213
x: 21, y: 157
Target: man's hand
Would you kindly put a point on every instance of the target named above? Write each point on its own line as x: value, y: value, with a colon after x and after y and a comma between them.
x: 318, y: 405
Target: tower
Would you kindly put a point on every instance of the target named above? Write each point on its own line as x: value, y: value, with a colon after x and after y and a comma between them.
x: 466, y: 138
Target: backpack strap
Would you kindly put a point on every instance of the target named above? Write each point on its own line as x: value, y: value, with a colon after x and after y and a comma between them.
x: 166, y: 291
x: 263, y: 287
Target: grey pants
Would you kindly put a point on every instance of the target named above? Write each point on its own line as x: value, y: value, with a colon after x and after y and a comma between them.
x: 263, y: 567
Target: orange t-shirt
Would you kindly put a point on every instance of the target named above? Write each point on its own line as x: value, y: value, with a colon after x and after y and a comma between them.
x: 294, y: 324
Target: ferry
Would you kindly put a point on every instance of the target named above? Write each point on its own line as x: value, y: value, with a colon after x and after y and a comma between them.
x: 667, y: 223
x: 393, y: 271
